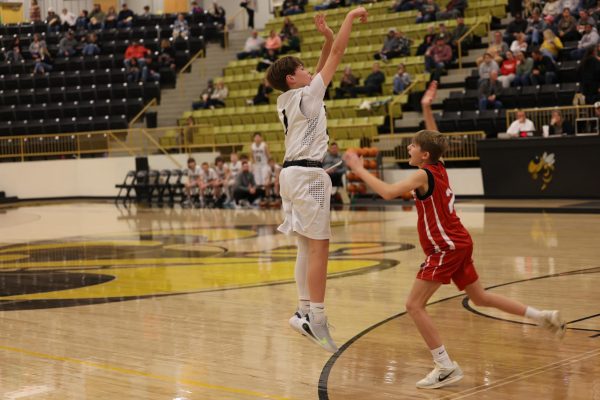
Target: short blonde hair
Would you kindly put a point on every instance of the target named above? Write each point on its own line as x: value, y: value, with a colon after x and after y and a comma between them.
x: 432, y: 142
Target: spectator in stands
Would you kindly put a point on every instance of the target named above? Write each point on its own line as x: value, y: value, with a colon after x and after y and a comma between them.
x: 458, y: 32
x: 328, y: 4
x: 288, y: 29
x: 443, y: 33
x: 292, y: 7
x: 551, y: 46
x: 205, y: 95
x: 180, y: 27
x: 595, y: 11
x: 273, y: 42
x: 82, y: 22
x: 250, y: 7
x: 560, y: 126
x: 269, y: 58
x: 97, y: 17
x: 149, y: 71
x: 552, y: 8
x: 193, y: 180
x: 125, y: 17
x: 35, y: 14
x: 110, y: 19
x: 516, y: 26
x: 91, y: 48
x: 245, y: 190
x: 196, y: 9
x: 521, y: 126
x: 347, y: 83
x: 584, y: 17
x: 262, y: 95
x: 40, y: 66
x: 67, y: 47
x: 519, y: 44
x: 253, y: 47
x: 454, y: 9
x: 146, y: 13
x: 373, y: 83
x: 13, y: 52
x: 390, y: 46
x: 219, y: 95
x: 428, y: 41
x: 544, y: 70
x: 589, y: 75
x: 138, y: 51
x: 38, y: 48
x: 508, y: 70
x: 401, y: 80
x: 166, y: 55
x: 218, y: 14
x: 427, y: 12
x: 405, y: 5
x: 489, y: 91
x: 133, y: 70
x: 524, y: 67
x: 497, y: 48
x: 67, y: 19
x: 332, y: 157
x: 588, y: 40
x: 292, y: 43
x: 567, y: 27
x: 437, y: 58
x: 486, y: 67
x: 535, y: 27
x: 52, y: 21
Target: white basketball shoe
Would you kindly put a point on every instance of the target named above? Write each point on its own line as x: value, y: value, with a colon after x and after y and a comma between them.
x: 552, y: 321
x: 318, y: 332
x: 441, y: 376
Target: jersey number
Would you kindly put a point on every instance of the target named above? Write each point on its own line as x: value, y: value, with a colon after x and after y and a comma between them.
x: 285, y: 121
x: 451, y: 202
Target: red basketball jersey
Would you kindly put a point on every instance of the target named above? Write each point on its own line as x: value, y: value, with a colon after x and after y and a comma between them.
x: 439, y: 227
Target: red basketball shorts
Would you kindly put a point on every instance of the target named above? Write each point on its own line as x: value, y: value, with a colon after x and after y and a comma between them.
x: 452, y: 265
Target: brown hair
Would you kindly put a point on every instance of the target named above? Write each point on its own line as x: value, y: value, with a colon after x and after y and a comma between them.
x: 432, y: 142
x: 280, y: 69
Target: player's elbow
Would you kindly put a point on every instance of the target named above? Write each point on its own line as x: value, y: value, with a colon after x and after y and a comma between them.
x: 388, y: 195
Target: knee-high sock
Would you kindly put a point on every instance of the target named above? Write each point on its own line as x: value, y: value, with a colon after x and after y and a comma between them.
x: 300, y: 273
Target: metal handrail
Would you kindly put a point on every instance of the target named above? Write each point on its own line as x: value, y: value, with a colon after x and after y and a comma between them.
x: 139, y: 115
x: 160, y: 148
x: 542, y: 115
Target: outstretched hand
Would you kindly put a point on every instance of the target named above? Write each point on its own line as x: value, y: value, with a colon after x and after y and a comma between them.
x: 430, y: 94
x: 321, y: 25
x: 361, y: 13
x: 352, y: 160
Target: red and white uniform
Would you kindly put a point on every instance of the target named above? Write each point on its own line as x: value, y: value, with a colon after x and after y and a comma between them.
x: 445, y: 241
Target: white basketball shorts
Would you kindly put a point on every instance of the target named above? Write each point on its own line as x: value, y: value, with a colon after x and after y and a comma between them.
x: 305, y: 195
x: 261, y: 173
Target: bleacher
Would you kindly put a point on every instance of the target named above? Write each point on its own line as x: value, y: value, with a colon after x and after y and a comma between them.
x: 85, y: 93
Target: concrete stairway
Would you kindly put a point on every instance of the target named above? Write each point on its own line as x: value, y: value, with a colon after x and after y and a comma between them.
x: 189, y: 86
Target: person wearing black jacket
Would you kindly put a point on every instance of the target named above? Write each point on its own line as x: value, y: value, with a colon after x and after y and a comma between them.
x: 589, y: 75
x: 544, y: 69
x: 516, y: 26
x: 373, y: 83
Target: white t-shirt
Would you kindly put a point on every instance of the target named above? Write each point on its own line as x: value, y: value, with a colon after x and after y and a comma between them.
x: 517, y: 127
x: 259, y: 153
x: 302, y: 113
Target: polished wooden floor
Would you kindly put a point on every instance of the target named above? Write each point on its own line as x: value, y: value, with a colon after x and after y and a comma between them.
x: 100, y: 302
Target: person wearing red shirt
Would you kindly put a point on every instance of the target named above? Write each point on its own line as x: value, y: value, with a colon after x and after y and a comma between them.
x: 447, y: 245
x: 138, y: 51
x: 508, y: 69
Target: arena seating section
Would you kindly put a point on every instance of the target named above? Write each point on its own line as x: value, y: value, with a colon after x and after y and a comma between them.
x: 88, y: 93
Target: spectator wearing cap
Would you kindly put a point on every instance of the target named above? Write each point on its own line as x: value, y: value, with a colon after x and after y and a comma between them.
x: 454, y: 9
x: 53, y: 21
x: 589, y: 39
x: 125, y: 17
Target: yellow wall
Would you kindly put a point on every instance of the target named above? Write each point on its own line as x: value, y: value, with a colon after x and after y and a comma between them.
x: 11, y: 13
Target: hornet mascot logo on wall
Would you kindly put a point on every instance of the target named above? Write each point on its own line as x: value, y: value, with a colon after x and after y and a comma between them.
x: 542, y: 167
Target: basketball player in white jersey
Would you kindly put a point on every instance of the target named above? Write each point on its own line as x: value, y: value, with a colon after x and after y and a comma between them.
x: 193, y: 180
x: 233, y: 167
x: 222, y: 177
x: 260, y: 160
x: 305, y: 186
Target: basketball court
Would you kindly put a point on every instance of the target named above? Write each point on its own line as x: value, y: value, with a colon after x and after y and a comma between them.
x: 104, y: 302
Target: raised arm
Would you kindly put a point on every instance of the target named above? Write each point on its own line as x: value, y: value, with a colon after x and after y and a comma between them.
x: 386, y: 190
x: 340, y: 43
x: 426, y: 102
x: 327, y: 33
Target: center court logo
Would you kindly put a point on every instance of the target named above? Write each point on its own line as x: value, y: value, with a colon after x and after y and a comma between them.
x: 542, y: 167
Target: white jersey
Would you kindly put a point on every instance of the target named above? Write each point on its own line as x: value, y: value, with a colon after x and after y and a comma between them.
x: 259, y: 153
x: 193, y: 174
x: 306, y: 136
x: 234, y: 169
x: 208, y: 176
x: 221, y: 172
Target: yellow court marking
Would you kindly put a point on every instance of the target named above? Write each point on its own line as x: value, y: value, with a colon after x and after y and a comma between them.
x: 68, y: 245
x: 133, y: 372
x: 522, y: 375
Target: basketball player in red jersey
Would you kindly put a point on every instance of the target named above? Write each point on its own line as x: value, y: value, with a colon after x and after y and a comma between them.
x: 447, y: 245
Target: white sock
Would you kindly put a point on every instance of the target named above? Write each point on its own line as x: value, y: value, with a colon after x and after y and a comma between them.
x: 441, y: 357
x: 303, y: 306
x: 533, y: 313
x: 318, y: 311
x: 301, y: 271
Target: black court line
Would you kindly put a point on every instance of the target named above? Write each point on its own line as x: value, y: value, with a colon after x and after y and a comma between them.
x: 322, y: 387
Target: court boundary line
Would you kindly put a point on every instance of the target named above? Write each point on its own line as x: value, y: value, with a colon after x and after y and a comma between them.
x: 133, y: 372
x: 322, y: 385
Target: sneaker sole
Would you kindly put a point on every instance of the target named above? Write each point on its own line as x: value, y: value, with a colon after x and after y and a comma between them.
x: 446, y: 382
x: 309, y: 334
x: 296, y: 326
